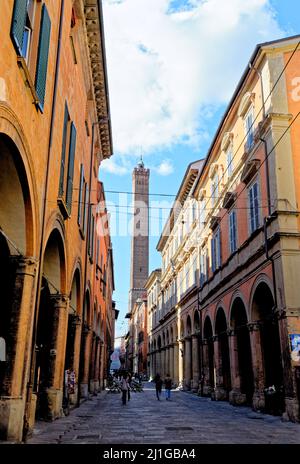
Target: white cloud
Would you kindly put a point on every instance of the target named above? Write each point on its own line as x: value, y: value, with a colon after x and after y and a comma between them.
x: 109, y: 165
x: 165, y: 168
x: 166, y: 66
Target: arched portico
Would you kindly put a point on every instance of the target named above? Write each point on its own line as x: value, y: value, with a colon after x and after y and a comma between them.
x: 222, y: 359
x: 208, y: 358
x: 240, y: 355
x: 17, y: 278
x: 51, y: 334
x: 268, y: 368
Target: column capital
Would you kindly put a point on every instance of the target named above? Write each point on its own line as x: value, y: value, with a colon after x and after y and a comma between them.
x: 188, y: 337
x: 195, y: 335
x: 254, y: 326
x: 86, y: 328
x: 24, y: 264
x: 215, y: 338
x: 231, y: 332
x: 59, y: 300
x: 280, y: 314
x: 76, y: 320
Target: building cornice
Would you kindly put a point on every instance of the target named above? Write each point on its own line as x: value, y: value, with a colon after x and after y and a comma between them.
x: 96, y: 43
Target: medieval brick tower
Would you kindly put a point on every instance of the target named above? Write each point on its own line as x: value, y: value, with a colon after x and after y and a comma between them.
x: 140, y: 234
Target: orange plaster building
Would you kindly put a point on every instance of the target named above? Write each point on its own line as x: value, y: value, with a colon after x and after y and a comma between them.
x: 54, y: 131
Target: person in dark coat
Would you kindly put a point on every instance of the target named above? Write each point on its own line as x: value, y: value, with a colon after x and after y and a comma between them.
x: 158, y: 385
x: 168, y: 386
x: 124, y: 388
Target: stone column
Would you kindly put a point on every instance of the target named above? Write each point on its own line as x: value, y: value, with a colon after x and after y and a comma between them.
x: 167, y: 362
x: 97, y: 366
x: 77, y: 322
x: 18, y: 349
x: 84, y: 387
x: 258, y: 368
x: 181, y: 364
x: 207, y: 390
x: 235, y: 395
x: 158, y: 362
x: 220, y: 393
x: 163, y: 362
x: 187, y: 363
x: 171, y: 362
x: 59, y: 305
x: 196, y: 373
x: 102, y: 385
x: 92, y: 365
x: 176, y: 362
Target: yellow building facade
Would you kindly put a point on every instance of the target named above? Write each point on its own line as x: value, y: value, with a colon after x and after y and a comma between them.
x: 230, y: 249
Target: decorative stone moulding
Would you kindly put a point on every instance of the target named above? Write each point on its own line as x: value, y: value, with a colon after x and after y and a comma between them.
x: 229, y: 200
x: 202, y: 194
x: 213, y: 169
x: 227, y: 139
x: 249, y: 171
x: 245, y: 104
x: 98, y: 64
x: 215, y: 220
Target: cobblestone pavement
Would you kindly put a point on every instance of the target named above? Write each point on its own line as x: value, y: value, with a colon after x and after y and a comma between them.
x: 185, y: 419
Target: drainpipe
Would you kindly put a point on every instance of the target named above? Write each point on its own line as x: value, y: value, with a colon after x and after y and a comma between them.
x: 39, y: 274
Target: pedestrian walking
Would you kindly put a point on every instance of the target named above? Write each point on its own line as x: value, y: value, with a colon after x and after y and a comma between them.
x: 158, y: 385
x: 168, y: 386
x: 124, y: 388
x: 129, y: 379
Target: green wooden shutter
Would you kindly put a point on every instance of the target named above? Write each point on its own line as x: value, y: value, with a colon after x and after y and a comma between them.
x: 63, y: 153
x: 86, y: 209
x: 80, y: 197
x: 71, y: 168
x: 18, y: 24
x: 42, y: 61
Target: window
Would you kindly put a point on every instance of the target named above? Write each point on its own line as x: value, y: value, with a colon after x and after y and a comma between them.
x: 233, y: 231
x: 66, y: 177
x: 194, y: 211
x: 249, y: 128
x: 81, y: 197
x: 26, y: 14
x: 253, y: 193
x: 216, y: 250
x: 22, y: 26
x: 202, y: 213
x: 203, y: 266
x: 214, y: 189
x: 229, y: 162
x: 194, y: 266
x: 91, y: 236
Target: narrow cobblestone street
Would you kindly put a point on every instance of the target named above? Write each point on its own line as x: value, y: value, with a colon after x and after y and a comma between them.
x: 185, y: 419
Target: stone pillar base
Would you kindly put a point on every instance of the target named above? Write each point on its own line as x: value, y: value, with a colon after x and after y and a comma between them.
x: 237, y: 398
x: 258, y: 401
x: 84, y: 390
x: 73, y: 396
x: 207, y: 390
x: 11, y: 418
x: 194, y: 386
x: 220, y: 394
x: 187, y: 386
x: 291, y: 410
x: 92, y: 386
x: 97, y: 386
x: 55, y: 398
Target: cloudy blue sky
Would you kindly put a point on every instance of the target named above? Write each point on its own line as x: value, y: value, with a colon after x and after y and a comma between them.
x: 172, y: 68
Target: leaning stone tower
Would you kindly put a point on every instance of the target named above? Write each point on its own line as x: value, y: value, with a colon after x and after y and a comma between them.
x: 140, y: 234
